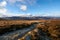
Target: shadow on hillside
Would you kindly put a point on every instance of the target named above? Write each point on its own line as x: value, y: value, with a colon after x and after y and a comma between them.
x: 12, y: 28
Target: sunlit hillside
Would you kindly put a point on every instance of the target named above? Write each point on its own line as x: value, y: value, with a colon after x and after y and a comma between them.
x: 48, y: 29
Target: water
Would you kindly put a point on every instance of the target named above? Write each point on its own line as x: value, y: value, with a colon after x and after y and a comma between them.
x: 28, y: 37
x: 16, y: 34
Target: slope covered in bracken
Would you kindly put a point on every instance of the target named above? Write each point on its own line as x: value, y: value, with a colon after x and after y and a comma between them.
x: 45, y: 29
x: 51, y: 28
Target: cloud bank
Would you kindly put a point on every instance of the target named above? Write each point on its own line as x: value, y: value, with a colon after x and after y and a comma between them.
x: 3, y: 10
x: 23, y: 7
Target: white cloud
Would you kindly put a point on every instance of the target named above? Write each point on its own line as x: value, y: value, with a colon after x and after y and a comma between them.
x: 23, y: 7
x: 3, y: 10
x: 26, y: 15
x: 13, y: 1
x: 52, y: 14
x: 22, y: 15
x: 3, y: 4
x: 22, y: 1
x: 2, y: 7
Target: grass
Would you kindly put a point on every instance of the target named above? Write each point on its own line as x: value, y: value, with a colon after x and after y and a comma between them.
x: 51, y: 27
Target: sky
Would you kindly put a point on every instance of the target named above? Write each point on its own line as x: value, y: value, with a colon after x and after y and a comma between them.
x: 30, y: 8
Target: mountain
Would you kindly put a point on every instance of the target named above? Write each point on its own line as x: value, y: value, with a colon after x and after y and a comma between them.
x: 27, y: 18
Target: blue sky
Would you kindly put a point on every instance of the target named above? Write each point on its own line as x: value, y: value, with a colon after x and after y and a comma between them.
x: 30, y: 7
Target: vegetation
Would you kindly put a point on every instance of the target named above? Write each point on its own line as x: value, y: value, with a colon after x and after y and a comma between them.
x: 45, y: 29
x: 52, y: 28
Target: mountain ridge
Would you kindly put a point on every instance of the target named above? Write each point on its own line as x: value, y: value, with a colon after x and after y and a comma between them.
x: 27, y: 18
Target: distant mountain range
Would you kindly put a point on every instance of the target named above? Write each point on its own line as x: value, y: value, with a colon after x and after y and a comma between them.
x: 27, y: 18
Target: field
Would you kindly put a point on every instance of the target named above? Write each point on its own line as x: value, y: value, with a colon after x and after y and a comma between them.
x: 6, y: 23
x: 52, y: 28
x: 45, y: 29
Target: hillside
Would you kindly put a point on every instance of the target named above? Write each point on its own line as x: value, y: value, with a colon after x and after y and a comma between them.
x: 45, y: 29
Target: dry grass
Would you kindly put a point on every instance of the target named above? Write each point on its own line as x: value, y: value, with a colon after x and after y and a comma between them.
x: 52, y: 27
x: 4, y: 23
